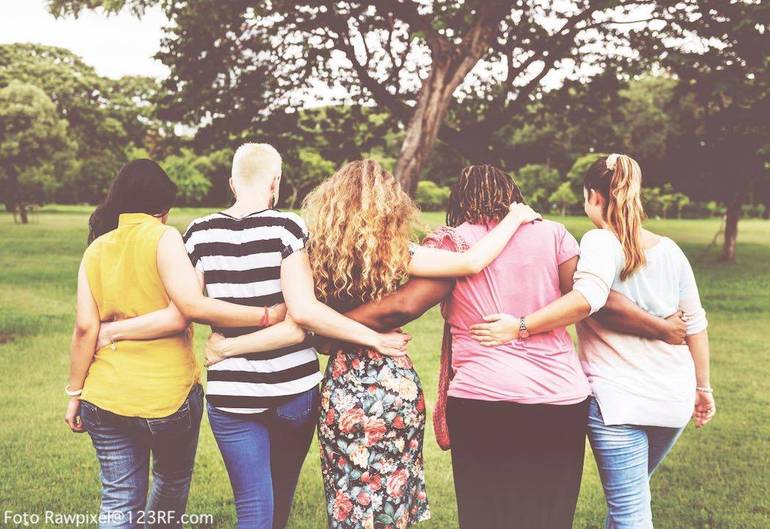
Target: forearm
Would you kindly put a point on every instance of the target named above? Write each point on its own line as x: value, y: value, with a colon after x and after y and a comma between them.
x: 317, y: 317
x: 622, y: 315
x: 82, y: 352
x: 157, y: 324
x: 437, y: 263
x: 699, y: 349
x: 211, y: 311
x: 283, y: 334
x: 566, y: 310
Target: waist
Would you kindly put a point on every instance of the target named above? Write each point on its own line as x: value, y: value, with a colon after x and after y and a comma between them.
x: 518, y: 375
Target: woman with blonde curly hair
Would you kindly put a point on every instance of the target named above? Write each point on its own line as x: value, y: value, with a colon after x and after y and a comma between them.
x: 372, y: 418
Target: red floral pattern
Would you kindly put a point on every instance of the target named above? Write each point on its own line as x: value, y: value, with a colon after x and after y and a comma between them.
x: 371, y: 434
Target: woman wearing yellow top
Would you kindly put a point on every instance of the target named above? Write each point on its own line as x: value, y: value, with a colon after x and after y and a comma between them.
x: 139, y: 398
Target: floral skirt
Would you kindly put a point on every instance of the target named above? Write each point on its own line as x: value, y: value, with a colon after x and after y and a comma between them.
x: 371, y: 432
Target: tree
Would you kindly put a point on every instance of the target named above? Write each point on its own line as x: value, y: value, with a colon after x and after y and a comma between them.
x: 232, y: 67
x: 723, y: 107
x: 35, y: 149
x: 578, y: 171
x: 431, y: 197
x: 188, y: 171
x: 537, y: 182
x: 564, y: 197
x: 104, y: 116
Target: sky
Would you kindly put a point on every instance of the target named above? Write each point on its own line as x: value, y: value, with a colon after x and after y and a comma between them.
x: 114, y: 45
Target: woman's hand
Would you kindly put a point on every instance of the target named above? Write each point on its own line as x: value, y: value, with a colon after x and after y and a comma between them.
x: 499, y: 329
x: 522, y: 213
x: 215, y: 349
x: 705, y: 408
x: 676, y: 329
x: 72, y: 416
x: 392, y: 343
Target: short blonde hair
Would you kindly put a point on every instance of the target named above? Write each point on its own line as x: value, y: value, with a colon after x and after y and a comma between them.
x: 255, y: 163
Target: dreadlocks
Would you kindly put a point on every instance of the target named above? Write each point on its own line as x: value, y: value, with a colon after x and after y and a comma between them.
x: 481, y: 195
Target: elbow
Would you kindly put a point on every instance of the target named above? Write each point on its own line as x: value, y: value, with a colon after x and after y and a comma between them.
x: 188, y: 311
x: 302, y: 316
x: 86, y: 329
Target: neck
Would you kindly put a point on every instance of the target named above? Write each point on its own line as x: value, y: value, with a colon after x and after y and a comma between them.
x: 249, y: 203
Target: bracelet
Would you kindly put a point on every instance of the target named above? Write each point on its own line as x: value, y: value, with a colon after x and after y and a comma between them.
x: 72, y: 393
x: 704, y: 389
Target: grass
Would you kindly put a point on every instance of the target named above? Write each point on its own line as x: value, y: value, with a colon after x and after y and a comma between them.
x: 714, y: 478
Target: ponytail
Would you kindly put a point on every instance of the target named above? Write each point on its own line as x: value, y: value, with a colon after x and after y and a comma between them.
x: 619, y: 179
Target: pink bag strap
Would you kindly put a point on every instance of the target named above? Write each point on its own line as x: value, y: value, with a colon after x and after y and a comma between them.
x: 445, y: 376
x: 436, y: 240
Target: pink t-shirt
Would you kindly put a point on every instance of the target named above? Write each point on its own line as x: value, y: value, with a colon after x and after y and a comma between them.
x: 544, y: 369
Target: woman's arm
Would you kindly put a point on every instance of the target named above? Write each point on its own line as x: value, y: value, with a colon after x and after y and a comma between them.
x: 82, y: 347
x: 282, y: 334
x: 406, y: 304
x: 622, y: 315
x: 157, y: 324
x: 435, y: 262
x: 705, y: 406
x: 303, y: 307
x: 184, y: 288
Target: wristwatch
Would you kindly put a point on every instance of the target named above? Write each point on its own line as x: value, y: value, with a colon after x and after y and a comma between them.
x: 523, y: 331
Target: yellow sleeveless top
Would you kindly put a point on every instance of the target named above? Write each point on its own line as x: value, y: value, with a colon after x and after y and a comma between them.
x: 147, y: 378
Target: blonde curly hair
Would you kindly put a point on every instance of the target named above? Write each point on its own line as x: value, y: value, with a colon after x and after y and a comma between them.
x: 361, y: 224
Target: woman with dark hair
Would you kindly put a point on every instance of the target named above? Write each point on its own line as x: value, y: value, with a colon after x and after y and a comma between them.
x: 516, y: 412
x: 644, y: 391
x: 140, y: 398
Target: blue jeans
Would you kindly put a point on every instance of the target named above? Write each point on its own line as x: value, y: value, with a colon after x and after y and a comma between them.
x: 263, y: 454
x: 124, y: 445
x: 627, y: 456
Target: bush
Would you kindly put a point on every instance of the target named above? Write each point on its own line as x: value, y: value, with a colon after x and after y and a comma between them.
x: 430, y: 196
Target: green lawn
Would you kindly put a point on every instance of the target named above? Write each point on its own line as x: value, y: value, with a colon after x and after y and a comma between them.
x: 715, y: 478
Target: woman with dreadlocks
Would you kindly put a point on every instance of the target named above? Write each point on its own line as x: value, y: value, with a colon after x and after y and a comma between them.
x: 516, y: 412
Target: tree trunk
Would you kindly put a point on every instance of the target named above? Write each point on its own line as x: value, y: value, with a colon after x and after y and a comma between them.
x: 423, y: 127
x: 449, y: 66
x: 563, y: 210
x: 23, y: 213
x: 731, y: 230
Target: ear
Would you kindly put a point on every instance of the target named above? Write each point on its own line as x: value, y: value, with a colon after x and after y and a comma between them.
x: 232, y: 187
x: 595, y: 198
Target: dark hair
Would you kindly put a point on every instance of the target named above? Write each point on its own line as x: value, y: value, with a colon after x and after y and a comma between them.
x: 141, y: 186
x: 481, y: 195
x: 618, y: 179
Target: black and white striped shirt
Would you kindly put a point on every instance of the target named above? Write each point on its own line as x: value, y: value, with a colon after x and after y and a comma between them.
x: 241, y: 263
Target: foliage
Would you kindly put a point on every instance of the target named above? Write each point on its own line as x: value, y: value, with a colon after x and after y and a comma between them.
x: 431, y: 197
x: 188, y: 171
x: 104, y: 116
x: 459, y: 71
x: 564, y: 198
x: 35, y: 147
x: 537, y: 182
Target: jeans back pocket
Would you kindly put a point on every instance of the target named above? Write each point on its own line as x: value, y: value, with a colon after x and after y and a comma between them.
x: 299, y: 407
x: 178, y: 422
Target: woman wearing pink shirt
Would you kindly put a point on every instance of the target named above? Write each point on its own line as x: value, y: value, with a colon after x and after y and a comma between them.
x: 517, y: 411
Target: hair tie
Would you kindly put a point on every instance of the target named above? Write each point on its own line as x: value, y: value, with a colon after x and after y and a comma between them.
x: 612, y: 159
